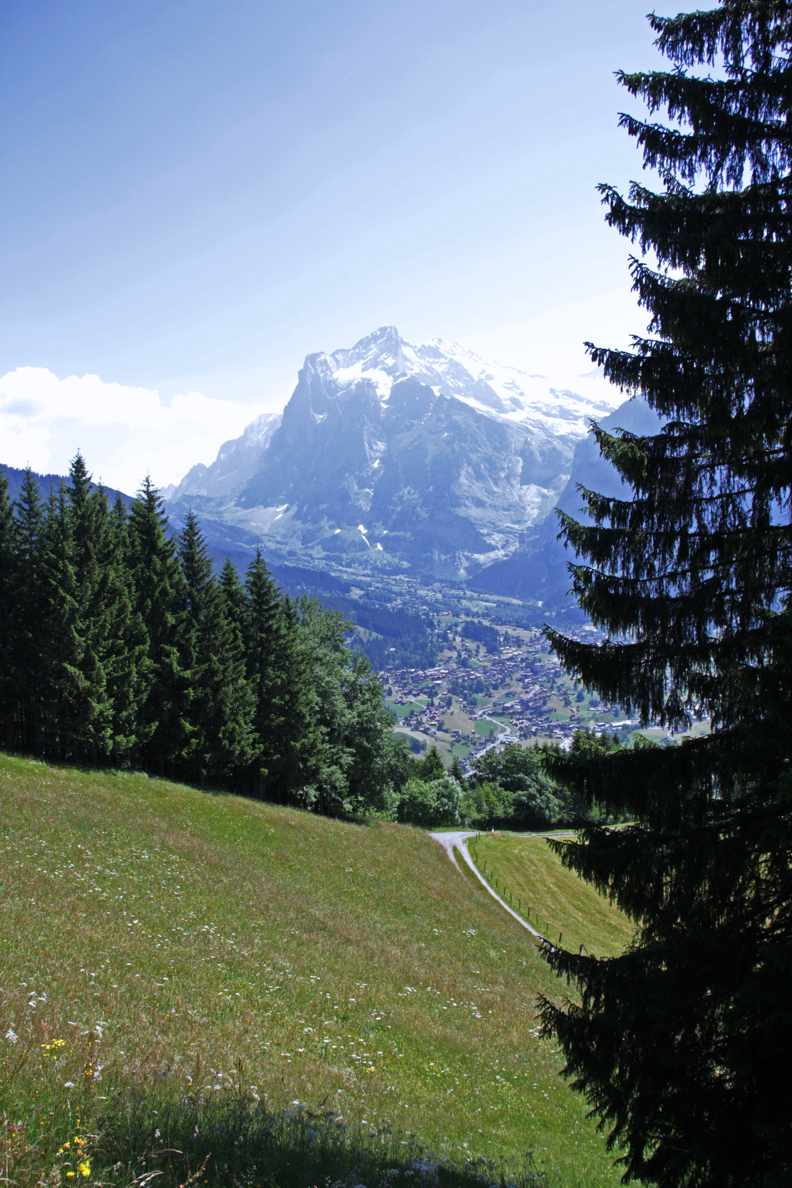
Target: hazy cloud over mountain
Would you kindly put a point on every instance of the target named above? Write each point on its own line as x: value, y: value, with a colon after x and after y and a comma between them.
x: 123, y: 431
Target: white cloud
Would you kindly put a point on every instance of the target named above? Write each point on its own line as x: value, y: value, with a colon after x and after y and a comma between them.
x: 123, y: 432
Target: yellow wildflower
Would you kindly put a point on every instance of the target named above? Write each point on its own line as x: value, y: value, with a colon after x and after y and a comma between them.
x: 84, y: 1168
x: 70, y: 1175
x: 53, y: 1045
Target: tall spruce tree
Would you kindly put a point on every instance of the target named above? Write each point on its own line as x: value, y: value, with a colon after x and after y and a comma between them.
x: 8, y: 689
x: 223, y: 704
x: 164, y: 727
x: 81, y: 618
x: 127, y: 662
x: 682, y: 1045
x: 233, y: 595
x: 61, y: 640
x: 28, y: 597
x: 281, y: 687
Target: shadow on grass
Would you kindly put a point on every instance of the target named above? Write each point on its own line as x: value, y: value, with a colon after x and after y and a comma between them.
x: 234, y: 1141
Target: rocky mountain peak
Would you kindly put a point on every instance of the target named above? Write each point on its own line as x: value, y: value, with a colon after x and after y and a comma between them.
x: 418, y: 456
x: 452, y: 370
x: 378, y: 358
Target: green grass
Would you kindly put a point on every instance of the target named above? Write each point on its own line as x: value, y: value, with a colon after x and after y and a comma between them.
x: 503, y: 719
x: 275, y: 997
x: 458, y: 719
x: 551, y: 897
x: 402, y: 709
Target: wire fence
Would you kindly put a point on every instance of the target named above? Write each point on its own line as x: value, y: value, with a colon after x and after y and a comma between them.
x: 514, y: 901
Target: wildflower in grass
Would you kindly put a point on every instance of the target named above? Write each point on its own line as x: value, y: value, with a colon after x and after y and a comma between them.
x: 53, y: 1047
x: 11, y: 1036
x: 75, y: 1158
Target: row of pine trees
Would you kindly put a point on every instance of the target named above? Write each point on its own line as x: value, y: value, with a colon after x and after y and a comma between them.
x: 120, y: 646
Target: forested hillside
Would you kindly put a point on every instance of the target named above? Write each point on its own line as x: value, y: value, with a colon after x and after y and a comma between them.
x: 121, y: 647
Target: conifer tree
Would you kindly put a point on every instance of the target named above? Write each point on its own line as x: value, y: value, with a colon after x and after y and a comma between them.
x: 8, y: 689
x: 127, y: 662
x: 81, y: 632
x: 28, y: 596
x: 164, y: 727
x: 196, y: 571
x: 233, y: 595
x: 458, y: 773
x: 682, y: 1044
x: 84, y: 512
x: 223, y: 704
x: 66, y: 706
x: 431, y: 766
x: 275, y: 670
x: 194, y: 588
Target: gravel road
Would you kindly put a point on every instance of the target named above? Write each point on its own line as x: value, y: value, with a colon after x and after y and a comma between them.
x: 456, y: 843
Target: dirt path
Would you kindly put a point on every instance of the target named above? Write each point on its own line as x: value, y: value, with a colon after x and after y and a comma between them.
x: 456, y: 843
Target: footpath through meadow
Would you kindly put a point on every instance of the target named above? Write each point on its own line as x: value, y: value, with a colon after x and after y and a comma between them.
x: 456, y: 843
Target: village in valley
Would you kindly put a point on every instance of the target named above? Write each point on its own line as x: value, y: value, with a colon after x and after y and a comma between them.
x: 493, y: 686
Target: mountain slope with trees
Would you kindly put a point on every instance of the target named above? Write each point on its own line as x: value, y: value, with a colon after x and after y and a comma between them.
x: 122, y: 647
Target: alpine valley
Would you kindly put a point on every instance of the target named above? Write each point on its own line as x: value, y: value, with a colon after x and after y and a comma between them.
x: 413, y: 490
x: 397, y: 458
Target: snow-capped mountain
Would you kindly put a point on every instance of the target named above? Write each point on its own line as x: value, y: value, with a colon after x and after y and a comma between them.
x: 451, y: 370
x: 424, y: 457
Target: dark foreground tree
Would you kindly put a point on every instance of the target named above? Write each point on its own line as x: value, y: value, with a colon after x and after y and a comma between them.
x: 683, y: 1044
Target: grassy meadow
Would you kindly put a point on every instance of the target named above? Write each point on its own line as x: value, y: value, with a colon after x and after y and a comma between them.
x: 531, y: 876
x: 198, y: 988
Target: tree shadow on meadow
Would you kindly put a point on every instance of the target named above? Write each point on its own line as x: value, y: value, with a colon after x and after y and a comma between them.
x: 234, y: 1142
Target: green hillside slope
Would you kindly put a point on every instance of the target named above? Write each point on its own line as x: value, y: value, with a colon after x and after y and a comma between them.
x: 554, y: 899
x: 178, y: 966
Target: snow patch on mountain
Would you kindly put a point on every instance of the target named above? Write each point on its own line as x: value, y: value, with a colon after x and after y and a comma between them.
x: 494, y: 389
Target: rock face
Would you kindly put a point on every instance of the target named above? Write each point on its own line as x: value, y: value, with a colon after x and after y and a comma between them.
x: 538, y: 568
x: 234, y: 466
x: 420, y: 458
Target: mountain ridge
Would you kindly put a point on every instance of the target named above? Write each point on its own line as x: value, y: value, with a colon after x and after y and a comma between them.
x: 422, y: 458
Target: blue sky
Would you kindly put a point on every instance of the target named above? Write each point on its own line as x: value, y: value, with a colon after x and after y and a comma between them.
x: 197, y: 194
